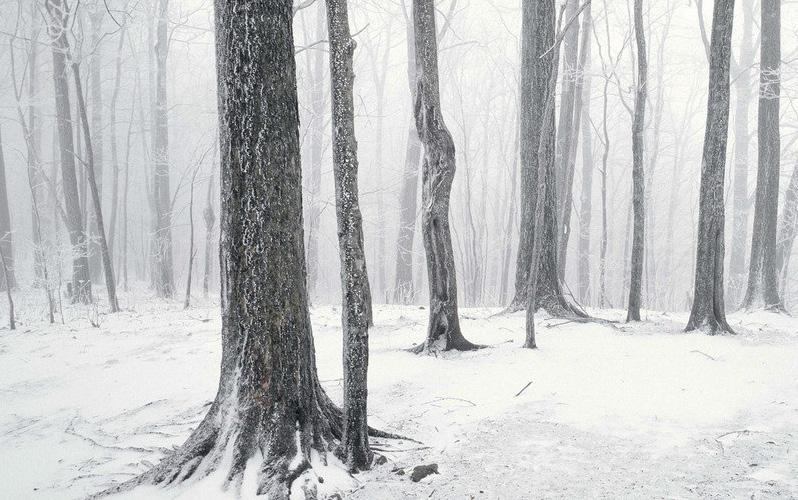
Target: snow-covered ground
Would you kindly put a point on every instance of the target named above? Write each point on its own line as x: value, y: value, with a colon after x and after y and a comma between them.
x: 641, y: 411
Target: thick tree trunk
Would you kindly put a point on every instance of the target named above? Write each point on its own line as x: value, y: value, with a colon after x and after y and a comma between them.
x: 7, y: 279
x: 443, y: 332
x: 638, y: 176
x: 164, y: 268
x: 270, y: 412
x: 586, y: 198
x: 354, y: 450
x: 567, y: 130
x: 404, y: 292
x: 741, y: 208
x: 763, y: 285
x: 57, y: 27
x: 708, y: 312
x: 108, y: 268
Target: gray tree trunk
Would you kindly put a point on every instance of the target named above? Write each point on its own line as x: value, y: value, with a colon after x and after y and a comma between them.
x: 57, y: 27
x: 763, y: 285
x: 708, y: 311
x: 403, y: 289
x: 788, y: 227
x: 638, y: 176
x: 164, y: 267
x: 354, y: 450
x: 443, y: 332
x: 586, y: 198
x: 114, y: 146
x: 210, y: 220
x: 741, y: 208
x: 7, y: 279
x: 269, y: 402
x: 96, y: 111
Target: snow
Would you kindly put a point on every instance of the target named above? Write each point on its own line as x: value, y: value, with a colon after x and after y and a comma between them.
x: 639, y: 410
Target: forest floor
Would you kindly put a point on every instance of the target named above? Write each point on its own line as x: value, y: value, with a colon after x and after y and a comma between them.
x: 622, y: 411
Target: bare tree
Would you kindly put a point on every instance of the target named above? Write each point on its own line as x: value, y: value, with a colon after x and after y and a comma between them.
x: 586, y: 198
x: 638, y: 175
x: 763, y: 285
x: 443, y: 331
x: 708, y: 311
x: 6, y: 237
x: 788, y: 226
x: 57, y: 28
x: 354, y: 450
x: 210, y: 220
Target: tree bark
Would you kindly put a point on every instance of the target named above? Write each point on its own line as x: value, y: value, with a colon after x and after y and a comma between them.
x: 443, y: 332
x: 164, y: 271
x: 788, y: 228
x: 96, y: 112
x: 354, y: 449
x: 57, y: 27
x: 708, y: 312
x: 586, y: 198
x: 270, y: 407
x: 638, y: 175
x: 114, y: 147
x: 763, y: 286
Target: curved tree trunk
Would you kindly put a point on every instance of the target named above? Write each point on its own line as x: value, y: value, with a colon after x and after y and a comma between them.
x: 708, y: 310
x: 443, y: 331
x: 763, y: 285
x: 638, y: 176
x: 354, y: 450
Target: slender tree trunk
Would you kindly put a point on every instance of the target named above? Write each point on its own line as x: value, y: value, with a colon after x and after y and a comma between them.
x: 567, y: 130
x: 187, y: 300
x: 164, y: 274
x: 763, y: 285
x: 210, y: 220
x: 270, y: 412
x: 34, y: 145
x: 108, y: 268
x: 708, y: 311
x: 638, y: 176
x: 354, y: 450
x: 403, y: 289
x: 742, y: 139
x: 12, y: 325
x: 114, y: 149
x: 57, y: 26
x: 6, y: 237
x: 443, y: 332
x: 96, y: 112
x: 788, y: 227
x: 586, y: 198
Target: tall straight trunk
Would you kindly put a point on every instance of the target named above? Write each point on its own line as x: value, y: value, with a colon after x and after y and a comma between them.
x: 114, y: 147
x: 96, y: 111
x: 443, y: 331
x: 354, y: 450
x: 316, y: 67
x: 108, y: 267
x: 408, y: 197
x: 379, y: 74
x: 586, y: 198
x: 12, y: 325
x: 763, y: 285
x: 189, y: 274
x: 164, y: 273
x: 508, y: 228
x: 708, y: 311
x: 57, y: 27
x: 7, y: 279
x: 34, y: 164
x: 567, y: 130
x: 742, y: 139
x: 270, y: 413
x: 638, y: 175
x: 209, y: 217
x: 604, y: 227
x: 788, y: 226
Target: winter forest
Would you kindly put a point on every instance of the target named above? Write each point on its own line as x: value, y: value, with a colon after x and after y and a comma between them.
x: 390, y: 249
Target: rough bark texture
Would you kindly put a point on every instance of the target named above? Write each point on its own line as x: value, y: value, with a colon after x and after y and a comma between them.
x: 638, y: 176
x: 354, y: 450
x: 586, y: 198
x: 270, y: 411
x: 7, y: 280
x: 741, y: 205
x: 164, y: 274
x: 403, y: 289
x: 443, y: 331
x: 708, y: 311
x: 57, y: 27
x: 763, y: 288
